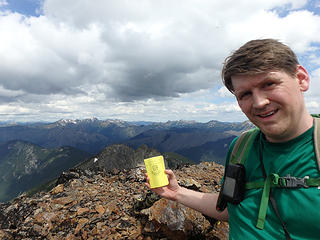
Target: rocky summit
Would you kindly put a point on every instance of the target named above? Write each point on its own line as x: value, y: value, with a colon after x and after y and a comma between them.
x: 88, y: 204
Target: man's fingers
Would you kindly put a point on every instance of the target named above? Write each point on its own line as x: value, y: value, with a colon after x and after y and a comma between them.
x: 170, y: 174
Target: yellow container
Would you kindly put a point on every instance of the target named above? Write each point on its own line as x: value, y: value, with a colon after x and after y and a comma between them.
x: 155, y: 169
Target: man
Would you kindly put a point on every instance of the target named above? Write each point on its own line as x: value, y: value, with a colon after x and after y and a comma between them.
x: 268, y: 83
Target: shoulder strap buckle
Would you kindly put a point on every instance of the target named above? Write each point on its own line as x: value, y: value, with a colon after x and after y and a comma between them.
x: 292, y: 182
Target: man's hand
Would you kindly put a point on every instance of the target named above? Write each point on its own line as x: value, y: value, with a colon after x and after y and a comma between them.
x: 202, y: 202
x: 171, y: 190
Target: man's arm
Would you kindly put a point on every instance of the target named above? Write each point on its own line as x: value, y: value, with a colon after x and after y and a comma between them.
x: 202, y: 202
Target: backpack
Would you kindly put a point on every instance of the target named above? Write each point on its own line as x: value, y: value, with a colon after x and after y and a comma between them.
x: 243, y: 144
x: 240, y: 153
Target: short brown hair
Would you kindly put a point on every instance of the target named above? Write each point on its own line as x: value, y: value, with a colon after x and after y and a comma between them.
x: 259, y: 56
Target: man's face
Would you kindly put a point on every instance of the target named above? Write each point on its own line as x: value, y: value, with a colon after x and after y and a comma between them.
x: 274, y: 102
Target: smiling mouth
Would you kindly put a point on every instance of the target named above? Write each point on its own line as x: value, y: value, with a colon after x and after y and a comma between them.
x: 268, y: 114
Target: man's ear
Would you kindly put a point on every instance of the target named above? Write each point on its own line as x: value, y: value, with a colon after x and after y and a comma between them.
x: 303, y: 78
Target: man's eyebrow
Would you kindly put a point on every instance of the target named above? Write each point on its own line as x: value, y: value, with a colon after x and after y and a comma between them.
x: 271, y: 76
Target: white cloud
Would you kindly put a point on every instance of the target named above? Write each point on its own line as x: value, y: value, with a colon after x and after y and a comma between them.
x: 313, y: 104
x: 42, y: 57
x: 312, y: 95
x: 224, y: 92
x: 314, y: 58
x: 314, y: 87
x: 139, y: 59
x: 12, y: 110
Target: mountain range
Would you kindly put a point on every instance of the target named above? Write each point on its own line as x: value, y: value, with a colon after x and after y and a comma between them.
x: 92, y: 135
x: 33, y: 153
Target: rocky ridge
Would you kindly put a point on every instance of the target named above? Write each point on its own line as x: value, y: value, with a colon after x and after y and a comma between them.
x: 112, y: 205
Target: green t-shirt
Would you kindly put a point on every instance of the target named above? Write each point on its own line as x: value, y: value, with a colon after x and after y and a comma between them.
x: 299, y: 208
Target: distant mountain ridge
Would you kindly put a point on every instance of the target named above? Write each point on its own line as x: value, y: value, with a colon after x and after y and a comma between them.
x: 212, y: 151
x: 24, y: 165
x: 120, y: 157
x: 92, y: 135
x: 33, y: 153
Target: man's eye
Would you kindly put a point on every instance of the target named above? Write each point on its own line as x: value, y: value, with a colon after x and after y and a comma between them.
x: 244, y: 95
x: 269, y: 84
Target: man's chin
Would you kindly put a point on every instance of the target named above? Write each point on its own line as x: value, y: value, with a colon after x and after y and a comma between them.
x: 265, y: 123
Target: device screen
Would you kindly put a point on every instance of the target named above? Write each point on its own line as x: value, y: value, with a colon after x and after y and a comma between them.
x: 229, y: 186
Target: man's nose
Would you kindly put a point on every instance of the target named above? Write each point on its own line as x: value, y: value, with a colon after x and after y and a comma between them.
x: 260, y: 100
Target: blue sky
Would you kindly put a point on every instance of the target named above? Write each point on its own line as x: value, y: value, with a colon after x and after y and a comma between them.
x: 139, y: 60
x: 25, y: 7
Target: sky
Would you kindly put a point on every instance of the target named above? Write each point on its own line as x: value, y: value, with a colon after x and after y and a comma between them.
x: 143, y: 60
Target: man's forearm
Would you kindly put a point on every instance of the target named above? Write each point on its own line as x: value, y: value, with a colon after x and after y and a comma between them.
x: 202, y: 202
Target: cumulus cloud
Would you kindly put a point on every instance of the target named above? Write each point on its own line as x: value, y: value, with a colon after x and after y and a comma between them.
x: 130, y: 56
x: 41, y: 57
x: 224, y: 92
x: 312, y: 95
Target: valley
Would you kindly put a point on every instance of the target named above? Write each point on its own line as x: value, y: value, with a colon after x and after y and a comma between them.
x: 33, y: 154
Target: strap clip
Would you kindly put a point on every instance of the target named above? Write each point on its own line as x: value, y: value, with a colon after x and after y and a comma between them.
x: 292, y: 182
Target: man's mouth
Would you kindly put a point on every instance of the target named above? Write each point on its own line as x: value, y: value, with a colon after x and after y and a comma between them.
x: 267, y: 114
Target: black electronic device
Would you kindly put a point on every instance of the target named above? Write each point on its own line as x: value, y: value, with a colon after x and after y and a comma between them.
x: 233, y: 187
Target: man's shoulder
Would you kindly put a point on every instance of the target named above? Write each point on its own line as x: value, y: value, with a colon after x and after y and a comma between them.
x: 242, y: 144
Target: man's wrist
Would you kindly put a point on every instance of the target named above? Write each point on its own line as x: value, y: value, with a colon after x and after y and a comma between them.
x: 181, y: 194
